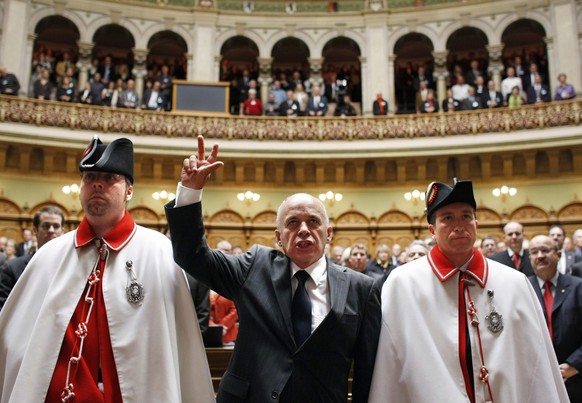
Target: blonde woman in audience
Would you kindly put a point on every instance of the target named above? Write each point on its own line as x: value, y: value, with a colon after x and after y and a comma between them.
x: 10, y: 250
x: 302, y: 97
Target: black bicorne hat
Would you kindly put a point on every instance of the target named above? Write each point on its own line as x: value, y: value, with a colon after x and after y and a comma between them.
x: 440, y: 194
x: 116, y: 157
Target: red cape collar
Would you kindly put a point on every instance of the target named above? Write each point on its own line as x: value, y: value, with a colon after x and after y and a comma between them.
x: 115, y: 239
x: 444, y: 269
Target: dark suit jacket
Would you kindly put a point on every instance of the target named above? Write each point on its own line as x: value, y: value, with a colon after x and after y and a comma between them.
x: 200, y: 297
x: 267, y: 364
x: 524, y: 264
x: 376, y: 107
x: 567, y: 327
x: 545, y: 95
x: 321, y: 106
x: 286, y: 105
x: 9, y: 274
x: 486, y: 98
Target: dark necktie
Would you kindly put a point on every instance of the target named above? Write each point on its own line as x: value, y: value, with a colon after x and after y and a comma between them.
x: 549, y: 304
x: 301, y: 309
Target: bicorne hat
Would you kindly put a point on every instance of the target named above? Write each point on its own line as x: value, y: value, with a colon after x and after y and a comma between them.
x: 440, y: 194
x: 115, y: 157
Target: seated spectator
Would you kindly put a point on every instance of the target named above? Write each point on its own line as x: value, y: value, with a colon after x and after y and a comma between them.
x: 317, y: 104
x: 430, y: 105
x: 564, y: 90
x: 116, y: 97
x: 515, y: 100
x: 43, y: 87
x: 9, y: 84
x: 508, y: 83
x: 539, y: 92
x: 472, y: 102
x: 421, y: 95
x: 223, y: 312
x: 289, y: 107
x: 85, y: 96
x: 380, y: 106
x: 152, y: 98
x: 66, y: 92
x: 492, y: 98
x: 302, y: 98
x: 271, y: 107
x: 107, y: 71
x: 460, y: 89
x: 415, y: 250
x: 450, y: 103
x: 252, y: 106
x: 128, y: 97
x: 345, y: 107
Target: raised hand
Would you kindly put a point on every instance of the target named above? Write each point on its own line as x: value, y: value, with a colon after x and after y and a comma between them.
x: 197, y: 169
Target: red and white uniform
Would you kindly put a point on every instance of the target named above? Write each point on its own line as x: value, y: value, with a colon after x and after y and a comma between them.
x: 418, y: 358
x: 151, y: 352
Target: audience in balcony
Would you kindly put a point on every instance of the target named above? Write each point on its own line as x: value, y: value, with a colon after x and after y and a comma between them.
x: 530, y: 77
x: 480, y: 87
x: 66, y: 91
x: 515, y: 100
x: 421, y: 95
x: 85, y: 96
x: 564, y: 91
x: 345, y: 107
x: 165, y: 81
x: 253, y: 105
x: 129, y: 98
x: 278, y: 92
x: 492, y: 98
x: 302, y: 97
x: 450, y: 103
x: 460, y: 89
x: 271, y: 107
x: 42, y: 88
x: 290, y: 107
x: 380, y: 106
x: 9, y: 84
x: 509, y: 83
x: 152, y: 98
x: 538, y: 92
x: 97, y: 88
x: 430, y: 105
x: 317, y: 104
x: 474, y: 73
x: 472, y: 102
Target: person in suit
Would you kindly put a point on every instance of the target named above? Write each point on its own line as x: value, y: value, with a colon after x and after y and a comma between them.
x: 317, y: 104
x: 538, y: 92
x: 299, y: 333
x: 515, y: 255
x: 562, y: 295
x: 47, y: 224
x: 472, y: 102
x: 472, y: 325
x: 491, y: 97
x: 289, y: 107
x: 567, y: 257
x: 380, y: 106
x: 152, y: 98
x: 25, y: 247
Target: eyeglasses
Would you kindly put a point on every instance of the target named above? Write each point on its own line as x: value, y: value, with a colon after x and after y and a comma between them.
x: 47, y: 225
x: 108, y: 178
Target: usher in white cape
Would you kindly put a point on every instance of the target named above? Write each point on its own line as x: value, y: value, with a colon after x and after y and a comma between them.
x: 157, y: 346
x: 418, y: 360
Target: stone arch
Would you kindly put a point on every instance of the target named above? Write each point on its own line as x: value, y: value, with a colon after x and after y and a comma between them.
x: 268, y: 217
x: 394, y: 217
x: 535, y: 16
x: 465, y: 44
x: 51, y: 203
x: 309, y: 41
x: 424, y: 30
x: 239, y: 53
x: 570, y: 211
x: 144, y: 214
x: 114, y: 40
x: 330, y: 35
x: 58, y: 35
x: 168, y: 47
x: 290, y: 54
x: 350, y: 218
x: 147, y: 34
x: 488, y: 216
x: 341, y: 67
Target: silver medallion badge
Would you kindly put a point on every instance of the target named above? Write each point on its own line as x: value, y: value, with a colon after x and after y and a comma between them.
x: 493, y: 318
x: 134, y: 290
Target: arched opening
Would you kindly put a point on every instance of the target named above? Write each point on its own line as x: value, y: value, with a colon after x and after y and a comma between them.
x: 341, y: 70
x: 240, y: 67
x: 467, y: 55
x: 168, y: 48
x: 290, y: 63
x: 112, y: 54
x: 413, y: 56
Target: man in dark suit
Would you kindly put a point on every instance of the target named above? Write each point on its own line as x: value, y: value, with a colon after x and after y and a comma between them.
x: 515, y: 255
x: 289, y: 107
x: 24, y: 248
x: 563, y: 296
x: 317, y: 104
x: 492, y: 98
x: 303, y: 319
x: 48, y: 223
x: 538, y: 92
x: 568, y: 257
x: 380, y: 106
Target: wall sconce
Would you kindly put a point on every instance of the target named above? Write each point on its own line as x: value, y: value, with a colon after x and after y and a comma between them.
x: 72, y: 190
x: 248, y: 197
x: 163, y: 196
x: 503, y: 192
x: 414, y: 196
x: 330, y: 197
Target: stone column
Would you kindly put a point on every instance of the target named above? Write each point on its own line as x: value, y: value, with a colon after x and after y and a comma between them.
x: 190, y: 67
x: 364, y: 105
x: 265, y: 64
x: 84, y: 63
x: 392, y: 107
x: 554, y: 65
x: 139, y: 69
x: 14, y: 39
x: 25, y: 79
x: 218, y: 67
x: 441, y: 73
x: 315, y: 66
x: 563, y: 44
x: 496, y: 67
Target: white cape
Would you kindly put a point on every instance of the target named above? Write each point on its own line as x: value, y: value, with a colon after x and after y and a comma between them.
x: 157, y: 347
x: 418, y: 360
